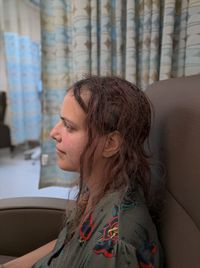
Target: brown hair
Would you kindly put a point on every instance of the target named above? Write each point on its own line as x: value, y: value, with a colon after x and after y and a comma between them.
x: 115, y: 105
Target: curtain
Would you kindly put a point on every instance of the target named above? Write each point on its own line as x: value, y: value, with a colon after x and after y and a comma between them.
x: 20, y: 46
x: 140, y: 40
x: 180, y: 46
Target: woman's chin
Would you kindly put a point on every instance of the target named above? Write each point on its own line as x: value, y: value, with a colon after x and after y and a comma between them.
x: 65, y: 167
x: 61, y: 164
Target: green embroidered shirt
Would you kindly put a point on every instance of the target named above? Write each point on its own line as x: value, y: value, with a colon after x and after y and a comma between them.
x: 118, y: 234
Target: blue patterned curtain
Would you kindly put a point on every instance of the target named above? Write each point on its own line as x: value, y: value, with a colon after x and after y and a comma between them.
x: 140, y: 40
x: 180, y: 43
x: 23, y: 73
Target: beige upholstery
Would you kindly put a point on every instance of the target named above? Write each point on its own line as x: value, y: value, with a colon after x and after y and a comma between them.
x: 175, y: 140
x: 29, y: 222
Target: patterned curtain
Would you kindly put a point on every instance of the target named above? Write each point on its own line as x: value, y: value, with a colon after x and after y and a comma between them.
x: 180, y: 46
x: 140, y: 40
x: 21, y: 68
x: 23, y: 73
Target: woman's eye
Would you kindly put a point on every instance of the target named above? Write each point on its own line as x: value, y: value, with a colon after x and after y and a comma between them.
x: 68, y: 127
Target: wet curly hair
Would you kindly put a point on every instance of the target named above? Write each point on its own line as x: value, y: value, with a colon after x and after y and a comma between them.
x: 116, y: 104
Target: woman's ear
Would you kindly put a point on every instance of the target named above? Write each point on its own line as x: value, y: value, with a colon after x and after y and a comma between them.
x: 112, y: 144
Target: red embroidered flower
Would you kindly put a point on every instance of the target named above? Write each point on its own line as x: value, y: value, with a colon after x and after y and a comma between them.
x: 86, y: 229
x: 109, y: 237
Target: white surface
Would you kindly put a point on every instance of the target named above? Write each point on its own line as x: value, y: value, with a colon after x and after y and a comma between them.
x: 20, y: 177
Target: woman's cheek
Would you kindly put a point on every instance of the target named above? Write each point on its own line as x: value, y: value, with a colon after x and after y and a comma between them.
x: 66, y: 139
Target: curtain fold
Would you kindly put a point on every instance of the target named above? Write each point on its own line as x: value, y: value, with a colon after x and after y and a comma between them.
x: 20, y: 57
x: 140, y: 40
x: 23, y: 74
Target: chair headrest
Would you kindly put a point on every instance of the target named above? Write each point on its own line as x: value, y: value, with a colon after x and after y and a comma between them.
x: 175, y: 138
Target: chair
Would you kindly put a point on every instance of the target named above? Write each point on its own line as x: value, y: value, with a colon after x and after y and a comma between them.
x: 175, y: 141
x: 5, y: 139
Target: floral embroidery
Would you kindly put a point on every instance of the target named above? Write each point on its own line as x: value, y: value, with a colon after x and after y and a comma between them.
x: 109, y: 236
x: 146, y: 255
x: 86, y: 229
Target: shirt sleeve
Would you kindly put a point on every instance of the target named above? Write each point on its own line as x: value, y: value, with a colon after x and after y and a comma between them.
x: 121, y: 254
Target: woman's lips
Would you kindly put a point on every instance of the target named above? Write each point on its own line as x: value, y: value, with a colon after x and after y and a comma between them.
x: 59, y: 151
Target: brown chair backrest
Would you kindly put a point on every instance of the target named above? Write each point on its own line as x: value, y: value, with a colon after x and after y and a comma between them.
x: 175, y: 140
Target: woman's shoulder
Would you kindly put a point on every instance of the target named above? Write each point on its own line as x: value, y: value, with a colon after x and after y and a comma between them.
x: 128, y: 227
x: 136, y: 228
x: 135, y: 222
x: 128, y: 214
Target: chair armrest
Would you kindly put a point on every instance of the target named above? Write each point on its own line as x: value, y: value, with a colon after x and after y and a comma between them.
x: 27, y: 223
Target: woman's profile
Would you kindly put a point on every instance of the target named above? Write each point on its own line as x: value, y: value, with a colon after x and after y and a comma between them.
x: 103, y: 128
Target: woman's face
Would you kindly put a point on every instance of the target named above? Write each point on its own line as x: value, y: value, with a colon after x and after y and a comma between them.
x: 70, y: 134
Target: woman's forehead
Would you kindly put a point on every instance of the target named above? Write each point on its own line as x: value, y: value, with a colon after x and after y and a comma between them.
x: 71, y: 109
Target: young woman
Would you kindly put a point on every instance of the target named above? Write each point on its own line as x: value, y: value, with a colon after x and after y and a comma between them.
x: 104, y: 125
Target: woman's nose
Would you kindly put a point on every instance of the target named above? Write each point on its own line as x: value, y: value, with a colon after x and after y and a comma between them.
x: 55, y: 134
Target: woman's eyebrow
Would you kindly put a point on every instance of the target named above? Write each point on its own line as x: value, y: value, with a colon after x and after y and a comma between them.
x: 67, y: 120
